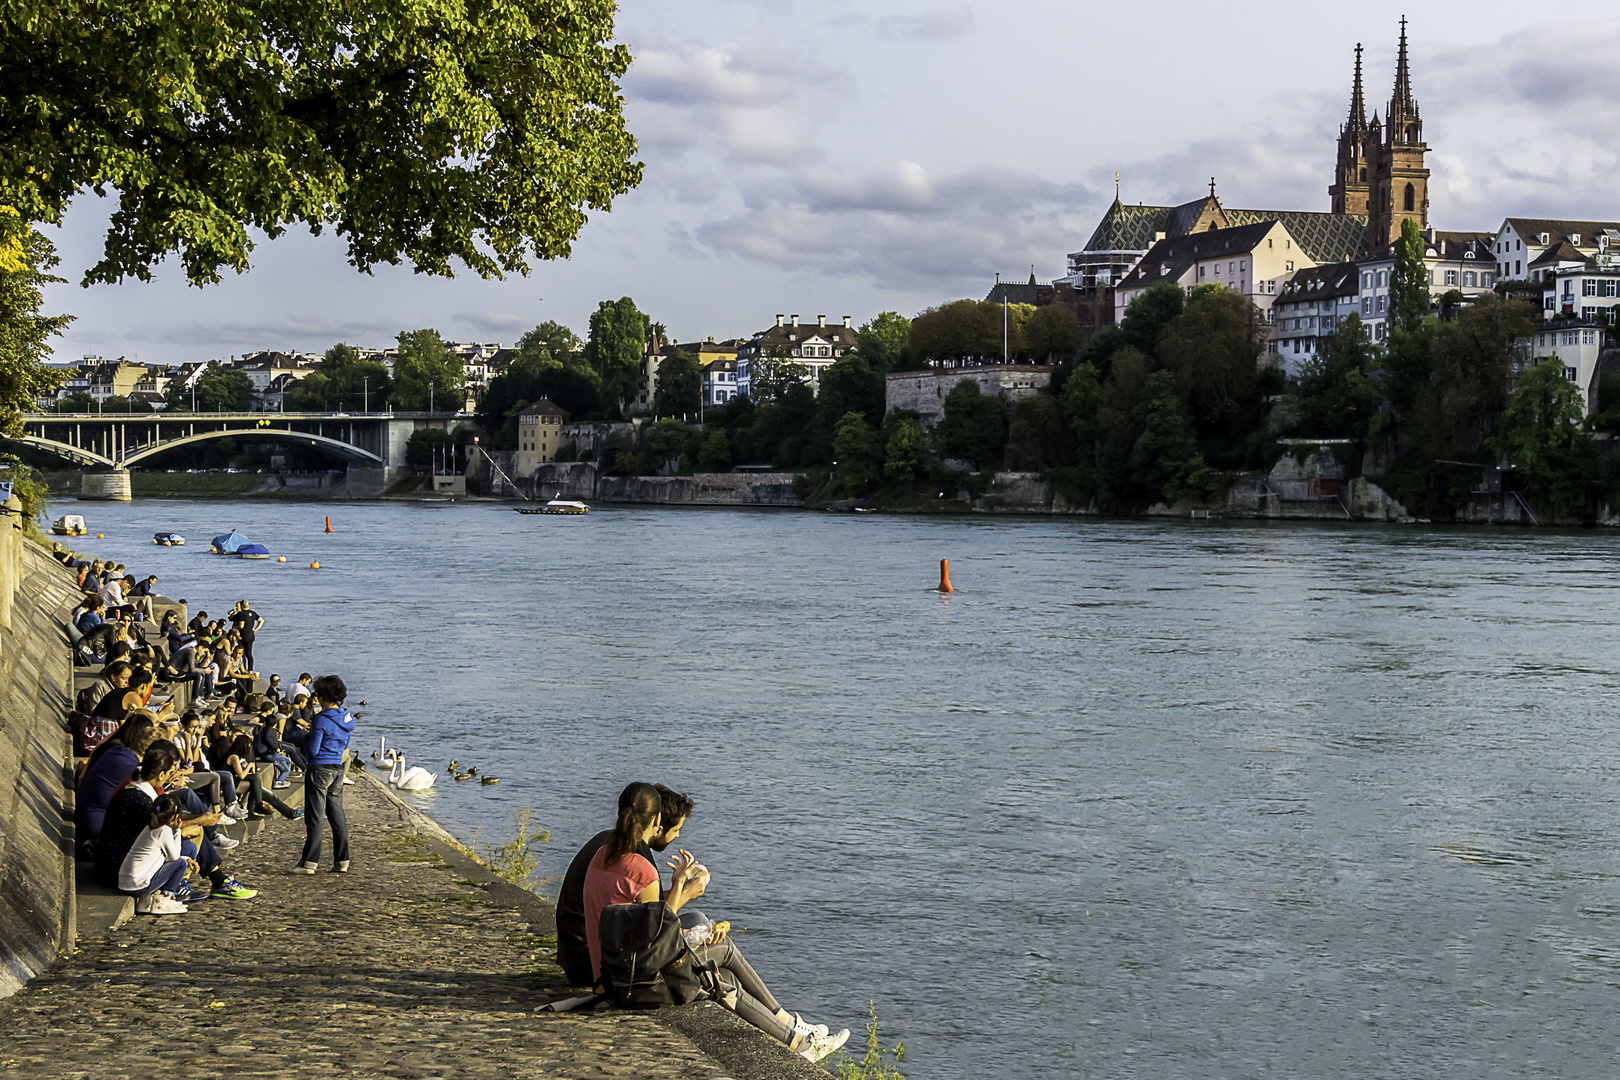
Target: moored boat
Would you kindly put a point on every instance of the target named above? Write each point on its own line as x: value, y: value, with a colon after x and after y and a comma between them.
x: 168, y: 539
x: 556, y: 506
x: 252, y: 551
x: 229, y: 543
x: 69, y: 525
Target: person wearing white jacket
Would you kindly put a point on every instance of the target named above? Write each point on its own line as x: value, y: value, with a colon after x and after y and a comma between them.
x: 154, y: 871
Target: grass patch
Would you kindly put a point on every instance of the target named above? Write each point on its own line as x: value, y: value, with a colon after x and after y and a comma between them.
x: 195, y: 485
x: 877, y: 1063
x: 515, y: 861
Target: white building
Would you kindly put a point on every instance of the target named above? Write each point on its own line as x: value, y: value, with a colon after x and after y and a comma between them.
x: 719, y: 382
x: 1461, y: 261
x: 1520, y: 242
x: 812, y: 348
x: 1310, y: 307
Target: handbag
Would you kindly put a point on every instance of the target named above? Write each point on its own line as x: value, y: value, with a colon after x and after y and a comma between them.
x: 90, y: 732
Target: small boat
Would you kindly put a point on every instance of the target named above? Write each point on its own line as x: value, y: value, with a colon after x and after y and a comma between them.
x: 69, y: 525
x: 252, y: 551
x: 556, y: 506
x: 229, y: 543
x: 169, y: 539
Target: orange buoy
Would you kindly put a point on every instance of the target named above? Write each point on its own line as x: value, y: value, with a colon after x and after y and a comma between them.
x: 945, y: 575
x: 314, y: 566
x: 101, y: 536
x: 328, y: 522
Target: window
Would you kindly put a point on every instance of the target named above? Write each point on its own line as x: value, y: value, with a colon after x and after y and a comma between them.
x: 1271, y: 346
x: 1589, y: 287
x: 1243, y: 265
x: 1271, y: 286
x: 1289, y: 265
x: 1518, y: 267
x: 1570, y: 374
x: 1608, y: 287
x: 1296, y: 346
x: 1366, y: 305
x: 1588, y: 337
x: 1451, y: 277
x: 1378, y: 331
x: 1200, y: 271
x: 1383, y: 278
x: 1366, y: 281
x: 1379, y: 302
x: 1588, y: 313
x: 1217, y: 269
x: 1486, y: 280
x: 1411, y: 193
x: 1470, y: 280
x: 1229, y: 269
x: 1569, y: 289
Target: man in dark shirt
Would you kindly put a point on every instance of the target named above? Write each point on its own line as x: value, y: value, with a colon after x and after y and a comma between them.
x: 247, y: 623
x: 573, y: 956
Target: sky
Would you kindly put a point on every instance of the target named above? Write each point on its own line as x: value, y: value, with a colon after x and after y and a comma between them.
x: 837, y: 158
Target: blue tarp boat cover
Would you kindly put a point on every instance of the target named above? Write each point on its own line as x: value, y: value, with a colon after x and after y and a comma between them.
x: 230, y: 543
x: 252, y: 549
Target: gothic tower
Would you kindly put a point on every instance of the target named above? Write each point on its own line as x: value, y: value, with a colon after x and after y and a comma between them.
x: 1398, y: 175
x: 1349, y: 189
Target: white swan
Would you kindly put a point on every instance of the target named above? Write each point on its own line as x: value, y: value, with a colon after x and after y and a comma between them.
x: 417, y: 779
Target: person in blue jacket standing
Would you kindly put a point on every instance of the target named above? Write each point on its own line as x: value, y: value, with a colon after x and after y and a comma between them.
x: 324, y: 747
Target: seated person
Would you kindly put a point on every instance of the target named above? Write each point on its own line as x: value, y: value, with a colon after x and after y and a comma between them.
x: 112, y: 766
x: 267, y: 745
x: 130, y: 813
x: 154, y: 871
x: 573, y: 955
x: 619, y: 874
x: 115, y: 676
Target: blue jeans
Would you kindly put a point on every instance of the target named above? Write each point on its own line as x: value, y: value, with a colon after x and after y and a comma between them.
x: 323, y: 798
x: 283, y: 765
x: 207, y: 858
x: 168, y: 880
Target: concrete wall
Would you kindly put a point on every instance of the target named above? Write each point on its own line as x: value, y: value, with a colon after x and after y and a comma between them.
x: 702, y: 489
x: 111, y: 485
x: 565, y: 480
x: 37, y: 915
x: 923, y: 392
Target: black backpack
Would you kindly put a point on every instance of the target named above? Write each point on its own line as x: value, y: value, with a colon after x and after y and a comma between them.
x: 645, y: 964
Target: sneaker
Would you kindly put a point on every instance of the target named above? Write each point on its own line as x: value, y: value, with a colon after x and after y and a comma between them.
x: 258, y: 815
x: 808, y: 1029
x: 817, y: 1046
x: 348, y: 782
x: 341, y: 868
x: 235, y: 890
x: 191, y: 895
x: 143, y: 904
x: 236, y: 810
x: 281, y: 785
x: 224, y: 843
x: 226, y: 819
x: 296, y: 815
x: 305, y: 868
x: 167, y: 905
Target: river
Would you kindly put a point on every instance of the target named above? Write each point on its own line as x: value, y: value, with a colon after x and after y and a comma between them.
x: 1138, y: 800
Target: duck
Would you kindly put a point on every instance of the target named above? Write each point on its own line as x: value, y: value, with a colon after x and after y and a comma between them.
x: 417, y: 779
x: 453, y: 766
x: 461, y: 775
x: 489, y: 779
x: 472, y: 770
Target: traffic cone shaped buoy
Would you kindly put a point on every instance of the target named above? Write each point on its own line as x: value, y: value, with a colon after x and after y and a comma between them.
x: 945, y: 575
x: 328, y: 522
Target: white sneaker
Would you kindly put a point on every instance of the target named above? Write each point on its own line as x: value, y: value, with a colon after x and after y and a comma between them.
x: 816, y: 1046
x: 226, y: 819
x: 224, y: 843
x: 799, y: 1025
x: 167, y: 905
x: 143, y: 904
x: 348, y: 782
x: 236, y: 810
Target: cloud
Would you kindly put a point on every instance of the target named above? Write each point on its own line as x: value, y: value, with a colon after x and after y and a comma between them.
x: 706, y: 76
x: 494, y: 322
x: 935, y: 24
x: 901, y: 227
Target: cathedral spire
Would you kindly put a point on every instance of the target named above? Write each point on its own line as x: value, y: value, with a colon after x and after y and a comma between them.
x: 1401, y: 103
x: 1358, y: 104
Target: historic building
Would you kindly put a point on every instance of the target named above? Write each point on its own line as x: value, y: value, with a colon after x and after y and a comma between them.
x: 1381, y: 170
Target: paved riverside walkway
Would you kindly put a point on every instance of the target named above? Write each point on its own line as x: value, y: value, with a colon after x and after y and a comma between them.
x: 417, y: 964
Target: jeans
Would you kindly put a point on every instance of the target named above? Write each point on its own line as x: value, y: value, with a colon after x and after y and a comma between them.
x: 283, y: 765
x: 323, y: 798
x: 742, y: 990
x: 208, y: 860
x: 191, y: 805
x: 169, y: 879
x: 258, y: 797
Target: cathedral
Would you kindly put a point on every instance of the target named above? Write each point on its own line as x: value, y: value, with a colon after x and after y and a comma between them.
x: 1380, y: 180
x: 1381, y: 173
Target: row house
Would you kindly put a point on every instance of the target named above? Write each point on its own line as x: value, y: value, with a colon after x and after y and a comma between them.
x: 1310, y: 307
x: 812, y: 348
x: 1532, y: 249
x: 1456, y: 262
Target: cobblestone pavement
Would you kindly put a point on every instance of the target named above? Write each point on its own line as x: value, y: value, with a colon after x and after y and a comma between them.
x: 404, y: 968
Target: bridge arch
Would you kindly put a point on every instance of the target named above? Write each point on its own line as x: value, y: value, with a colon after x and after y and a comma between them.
x: 63, y: 450
x: 346, y: 451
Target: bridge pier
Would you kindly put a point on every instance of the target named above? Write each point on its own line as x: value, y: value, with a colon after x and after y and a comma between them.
x: 105, y: 485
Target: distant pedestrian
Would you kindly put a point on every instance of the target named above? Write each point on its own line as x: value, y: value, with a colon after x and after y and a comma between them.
x: 326, y: 748
x: 247, y: 623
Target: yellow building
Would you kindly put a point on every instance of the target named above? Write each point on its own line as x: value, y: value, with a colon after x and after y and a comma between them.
x: 539, y: 436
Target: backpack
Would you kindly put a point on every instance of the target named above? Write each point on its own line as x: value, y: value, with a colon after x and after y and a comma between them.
x: 90, y: 732
x: 641, y: 944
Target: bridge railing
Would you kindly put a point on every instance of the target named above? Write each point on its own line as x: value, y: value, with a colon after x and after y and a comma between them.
x: 180, y: 415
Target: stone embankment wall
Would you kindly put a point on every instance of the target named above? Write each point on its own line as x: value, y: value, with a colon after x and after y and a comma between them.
x: 924, y: 392
x: 37, y: 915
x: 581, y: 480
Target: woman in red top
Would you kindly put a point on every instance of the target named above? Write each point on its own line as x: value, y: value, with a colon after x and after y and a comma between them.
x: 618, y: 874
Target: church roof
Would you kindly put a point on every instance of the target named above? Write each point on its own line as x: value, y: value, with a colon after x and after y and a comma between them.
x: 1324, y: 237
x: 1170, y: 258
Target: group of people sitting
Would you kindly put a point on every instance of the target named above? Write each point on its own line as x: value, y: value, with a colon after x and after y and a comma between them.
x: 153, y: 796
x: 616, y: 867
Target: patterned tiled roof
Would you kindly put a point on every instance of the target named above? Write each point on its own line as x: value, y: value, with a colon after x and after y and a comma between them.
x: 1324, y: 237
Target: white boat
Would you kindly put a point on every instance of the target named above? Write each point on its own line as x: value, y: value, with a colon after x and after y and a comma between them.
x: 69, y: 525
x: 556, y: 506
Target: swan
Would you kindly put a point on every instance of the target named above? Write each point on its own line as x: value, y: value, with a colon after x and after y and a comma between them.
x: 417, y: 779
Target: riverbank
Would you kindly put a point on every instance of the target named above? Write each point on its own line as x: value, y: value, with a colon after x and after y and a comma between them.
x: 418, y: 963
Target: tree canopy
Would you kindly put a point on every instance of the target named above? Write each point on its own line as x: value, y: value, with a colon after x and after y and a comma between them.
x: 427, y: 375
x: 26, y: 258
x: 342, y: 382
x: 479, y: 131
x: 618, y: 334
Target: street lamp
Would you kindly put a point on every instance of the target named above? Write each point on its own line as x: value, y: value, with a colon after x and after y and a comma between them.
x: 365, y: 394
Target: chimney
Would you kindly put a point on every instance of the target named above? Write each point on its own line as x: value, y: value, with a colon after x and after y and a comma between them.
x: 821, y: 321
x: 846, y: 322
x: 795, y: 320
x: 779, y: 320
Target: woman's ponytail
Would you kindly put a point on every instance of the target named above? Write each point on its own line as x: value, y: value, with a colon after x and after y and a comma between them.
x: 639, y: 806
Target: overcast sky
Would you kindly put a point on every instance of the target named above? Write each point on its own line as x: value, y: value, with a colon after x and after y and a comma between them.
x: 844, y: 159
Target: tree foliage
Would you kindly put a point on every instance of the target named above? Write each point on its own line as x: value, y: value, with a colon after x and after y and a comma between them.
x: 422, y: 132
x: 26, y: 258
x: 886, y: 342
x: 618, y: 334
x: 1333, y: 395
x: 974, y: 426
x: 859, y: 450
x: 1409, y: 281
x: 218, y: 389
x: 680, y: 385
x: 427, y: 374
x: 343, y: 383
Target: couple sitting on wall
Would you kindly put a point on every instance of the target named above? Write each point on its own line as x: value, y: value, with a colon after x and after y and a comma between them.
x: 616, y: 868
